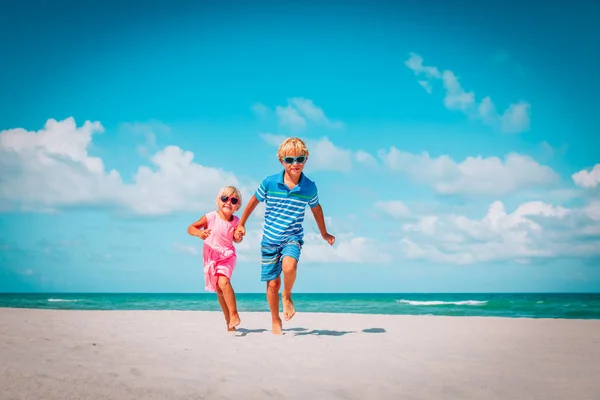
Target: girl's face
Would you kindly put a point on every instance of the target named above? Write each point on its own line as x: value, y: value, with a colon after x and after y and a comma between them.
x: 228, y: 204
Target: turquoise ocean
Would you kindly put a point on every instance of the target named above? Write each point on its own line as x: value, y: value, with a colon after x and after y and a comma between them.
x: 514, y: 305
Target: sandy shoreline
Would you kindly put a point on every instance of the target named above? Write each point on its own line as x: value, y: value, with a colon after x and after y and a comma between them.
x: 60, y: 354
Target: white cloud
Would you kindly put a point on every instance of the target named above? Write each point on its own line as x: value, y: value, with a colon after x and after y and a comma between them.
x: 395, y: 208
x: 290, y: 117
x: 474, y: 175
x: 175, y: 183
x: 427, y: 86
x: 415, y: 62
x: 587, y: 179
x: 456, y: 97
x: 546, y: 149
x: 149, y: 131
x: 51, y: 168
x: 261, y: 110
x: 273, y: 139
x: 186, y: 249
x: 592, y: 210
x: 327, y: 156
x: 297, y: 113
x: 313, y: 113
x: 347, y: 249
x: 365, y: 158
x: 515, y: 119
x: 324, y: 155
x: 533, y: 230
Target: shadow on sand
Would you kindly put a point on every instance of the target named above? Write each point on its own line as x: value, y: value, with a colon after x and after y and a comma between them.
x: 374, y: 330
x: 241, y: 332
x: 327, y: 332
x: 323, y: 332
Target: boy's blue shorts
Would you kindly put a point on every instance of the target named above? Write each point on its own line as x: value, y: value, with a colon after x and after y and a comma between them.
x: 273, y: 254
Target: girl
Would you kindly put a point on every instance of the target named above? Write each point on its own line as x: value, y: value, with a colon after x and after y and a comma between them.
x: 217, y: 230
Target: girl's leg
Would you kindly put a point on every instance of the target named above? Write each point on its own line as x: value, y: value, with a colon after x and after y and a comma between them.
x: 224, y: 307
x: 229, y: 296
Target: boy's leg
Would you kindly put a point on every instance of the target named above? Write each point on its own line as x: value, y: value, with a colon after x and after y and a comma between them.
x: 224, y: 307
x: 270, y: 273
x: 229, y: 296
x: 273, y: 300
x: 289, y: 278
x: 290, y: 255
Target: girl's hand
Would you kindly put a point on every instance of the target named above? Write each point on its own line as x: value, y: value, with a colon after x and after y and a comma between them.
x: 240, y: 230
x: 238, y: 236
x: 204, y: 233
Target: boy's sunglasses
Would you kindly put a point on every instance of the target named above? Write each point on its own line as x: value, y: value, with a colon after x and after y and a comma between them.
x: 290, y: 160
x: 234, y: 200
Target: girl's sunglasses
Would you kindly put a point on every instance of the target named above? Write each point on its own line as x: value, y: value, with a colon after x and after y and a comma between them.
x: 290, y: 160
x: 234, y: 200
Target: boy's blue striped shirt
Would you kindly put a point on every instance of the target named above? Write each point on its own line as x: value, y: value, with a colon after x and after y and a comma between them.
x: 284, y: 213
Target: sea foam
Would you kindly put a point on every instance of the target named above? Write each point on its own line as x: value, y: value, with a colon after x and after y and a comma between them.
x: 62, y: 300
x: 443, y: 303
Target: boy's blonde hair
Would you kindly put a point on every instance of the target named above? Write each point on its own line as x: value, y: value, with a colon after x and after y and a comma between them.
x: 292, y: 145
x: 230, y: 191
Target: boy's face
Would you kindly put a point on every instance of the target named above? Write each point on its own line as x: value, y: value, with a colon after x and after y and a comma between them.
x: 294, y: 164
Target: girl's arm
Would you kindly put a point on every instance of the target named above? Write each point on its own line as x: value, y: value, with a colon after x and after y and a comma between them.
x: 194, y: 229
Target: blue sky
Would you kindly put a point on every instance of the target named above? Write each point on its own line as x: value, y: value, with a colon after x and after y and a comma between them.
x: 454, y: 144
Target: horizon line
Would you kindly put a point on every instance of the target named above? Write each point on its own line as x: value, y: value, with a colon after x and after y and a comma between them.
x: 361, y: 293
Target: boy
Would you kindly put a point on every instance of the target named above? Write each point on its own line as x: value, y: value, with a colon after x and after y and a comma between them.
x: 286, y: 195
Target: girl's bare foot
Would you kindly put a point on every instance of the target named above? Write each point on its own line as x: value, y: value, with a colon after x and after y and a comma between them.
x: 230, y: 329
x: 288, y: 307
x: 234, y: 321
x: 277, y: 326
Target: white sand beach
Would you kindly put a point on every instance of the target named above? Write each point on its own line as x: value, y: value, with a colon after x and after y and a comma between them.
x: 51, y: 354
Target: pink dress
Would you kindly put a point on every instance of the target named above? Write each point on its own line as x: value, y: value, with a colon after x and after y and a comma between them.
x: 219, y: 252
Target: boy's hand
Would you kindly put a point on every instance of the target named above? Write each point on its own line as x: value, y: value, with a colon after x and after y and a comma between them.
x: 240, y: 230
x: 204, y: 233
x: 329, y: 238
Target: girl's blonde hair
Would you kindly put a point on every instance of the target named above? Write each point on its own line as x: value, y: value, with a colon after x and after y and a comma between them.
x: 230, y: 191
x: 292, y: 145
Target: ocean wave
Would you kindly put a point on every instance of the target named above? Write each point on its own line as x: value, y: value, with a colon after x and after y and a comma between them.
x: 443, y: 303
x: 62, y: 300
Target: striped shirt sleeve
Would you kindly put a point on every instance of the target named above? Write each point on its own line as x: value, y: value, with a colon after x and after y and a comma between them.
x: 261, y: 191
x: 314, y: 200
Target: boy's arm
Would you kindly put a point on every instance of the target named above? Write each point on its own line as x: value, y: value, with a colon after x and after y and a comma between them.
x: 318, y: 213
x: 237, y: 235
x: 252, y: 203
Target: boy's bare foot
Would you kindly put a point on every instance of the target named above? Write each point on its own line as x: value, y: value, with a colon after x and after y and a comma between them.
x: 288, y: 307
x: 234, y: 321
x: 277, y: 326
x: 230, y: 329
